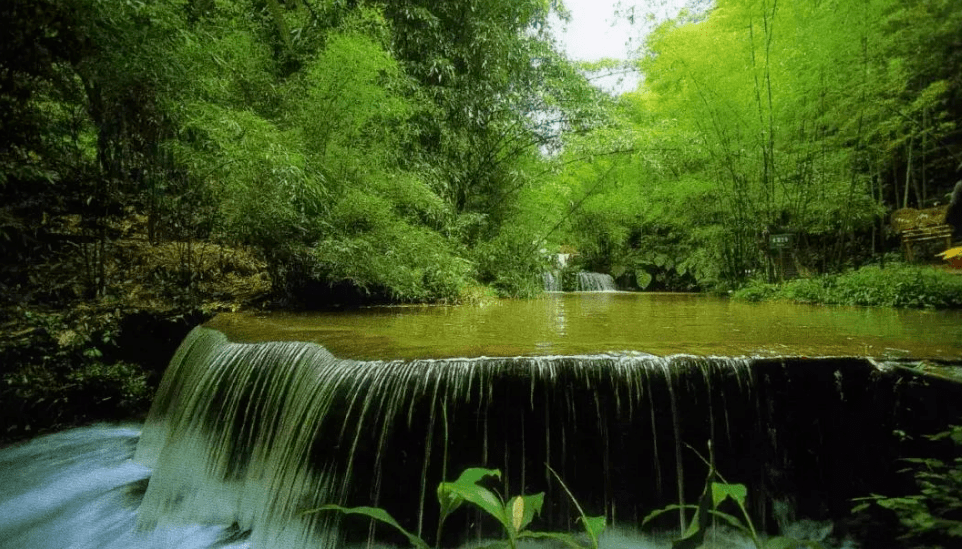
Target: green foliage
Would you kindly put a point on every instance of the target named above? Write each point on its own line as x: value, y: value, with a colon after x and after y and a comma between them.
x: 253, y: 123
x: 460, y: 123
x: 897, y: 285
x: 811, y: 118
x: 348, y: 102
x: 514, y: 516
x: 62, y: 370
x: 372, y: 248
x: 716, y: 492
x: 933, y: 516
x: 509, y: 263
x: 378, y: 514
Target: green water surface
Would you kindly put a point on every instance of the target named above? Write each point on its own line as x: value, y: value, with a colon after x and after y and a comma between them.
x: 590, y: 323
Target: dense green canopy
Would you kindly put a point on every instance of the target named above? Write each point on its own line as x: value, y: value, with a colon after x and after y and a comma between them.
x: 405, y: 150
x: 364, y: 146
x: 760, y: 117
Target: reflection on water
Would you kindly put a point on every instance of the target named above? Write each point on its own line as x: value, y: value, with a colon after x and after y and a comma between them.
x: 588, y: 323
x: 560, y: 322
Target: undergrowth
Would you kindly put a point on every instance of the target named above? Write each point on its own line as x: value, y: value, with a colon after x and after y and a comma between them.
x: 932, y: 517
x: 63, y: 370
x: 900, y: 285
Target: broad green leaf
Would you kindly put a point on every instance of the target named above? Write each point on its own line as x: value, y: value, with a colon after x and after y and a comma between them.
x: 473, y: 475
x: 517, y: 512
x: 730, y: 519
x: 524, y: 508
x: 594, y: 526
x: 451, y: 499
x: 666, y: 509
x: 720, y: 491
x: 377, y: 514
x: 466, y: 489
x: 781, y: 543
x: 643, y: 278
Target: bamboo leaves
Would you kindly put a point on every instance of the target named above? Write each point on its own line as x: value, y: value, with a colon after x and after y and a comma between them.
x: 768, y: 116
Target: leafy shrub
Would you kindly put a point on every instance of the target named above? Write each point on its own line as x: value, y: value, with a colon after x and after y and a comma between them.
x: 58, y: 374
x: 756, y: 291
x: 707, y: 512
x: 932, y: 516
x: 373, y: 249
x: 510, y: 264
x: 894, y: 286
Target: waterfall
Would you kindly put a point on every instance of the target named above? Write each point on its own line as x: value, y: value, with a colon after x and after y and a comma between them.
x: 257, y: 433
x: 253, y: 434
x: 596, y: 282
x: 552, y: 282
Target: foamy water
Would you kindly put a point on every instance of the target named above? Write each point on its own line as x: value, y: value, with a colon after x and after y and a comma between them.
x: 81, y: 489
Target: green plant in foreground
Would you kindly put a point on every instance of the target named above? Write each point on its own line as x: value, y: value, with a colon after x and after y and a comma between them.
x: 716, y: 491
x: 514, y: 515
x: 935, y: 513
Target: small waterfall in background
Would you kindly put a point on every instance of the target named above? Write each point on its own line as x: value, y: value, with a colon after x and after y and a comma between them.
x: 552, y: 281
x: 596, y: 282
x: 242, y: 438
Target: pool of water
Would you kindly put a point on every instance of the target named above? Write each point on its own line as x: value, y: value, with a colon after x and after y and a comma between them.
x: 591, y: 323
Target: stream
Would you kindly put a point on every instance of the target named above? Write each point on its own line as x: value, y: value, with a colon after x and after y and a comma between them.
x: 618, y: 391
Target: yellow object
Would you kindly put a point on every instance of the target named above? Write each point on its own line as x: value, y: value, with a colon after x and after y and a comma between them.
x: 951, y: 253
x: 953, y: 256
x: 517, y: 513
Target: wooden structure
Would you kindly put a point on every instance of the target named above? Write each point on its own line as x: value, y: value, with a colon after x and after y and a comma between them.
x: 784, y: 260
x: 918, y: 226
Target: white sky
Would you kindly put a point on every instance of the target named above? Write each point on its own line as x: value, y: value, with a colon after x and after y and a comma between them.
x: 595, y: 33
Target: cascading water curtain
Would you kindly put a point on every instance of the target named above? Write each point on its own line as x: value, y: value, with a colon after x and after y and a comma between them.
x: 257, y: 433
x: 596, y: 282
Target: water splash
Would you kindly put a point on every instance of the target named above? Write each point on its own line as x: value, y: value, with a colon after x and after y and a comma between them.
x: 551, y: 281
x: 596, y: 282
x: 243, y: 437
x: 256, y: 433
x: 80, y: 489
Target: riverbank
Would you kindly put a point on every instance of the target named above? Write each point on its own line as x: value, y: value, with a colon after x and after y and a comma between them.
x: 87, y: 326
x: 75, y: 361
x: 71, y: 358
x: 896, y: 285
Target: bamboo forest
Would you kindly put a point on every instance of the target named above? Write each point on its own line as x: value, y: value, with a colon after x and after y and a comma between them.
x: 412, y: 273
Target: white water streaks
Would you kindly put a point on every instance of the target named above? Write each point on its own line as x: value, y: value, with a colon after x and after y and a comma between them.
x: 552, y: 281
x: 243, y: 438
x: 257, y: 433
x: 79, y: 489
x: 596, y: 282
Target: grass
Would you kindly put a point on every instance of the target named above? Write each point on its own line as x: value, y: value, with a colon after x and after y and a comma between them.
x: 898, y: 285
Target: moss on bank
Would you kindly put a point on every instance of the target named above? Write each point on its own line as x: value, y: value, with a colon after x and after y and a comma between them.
x: 897, y: 285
